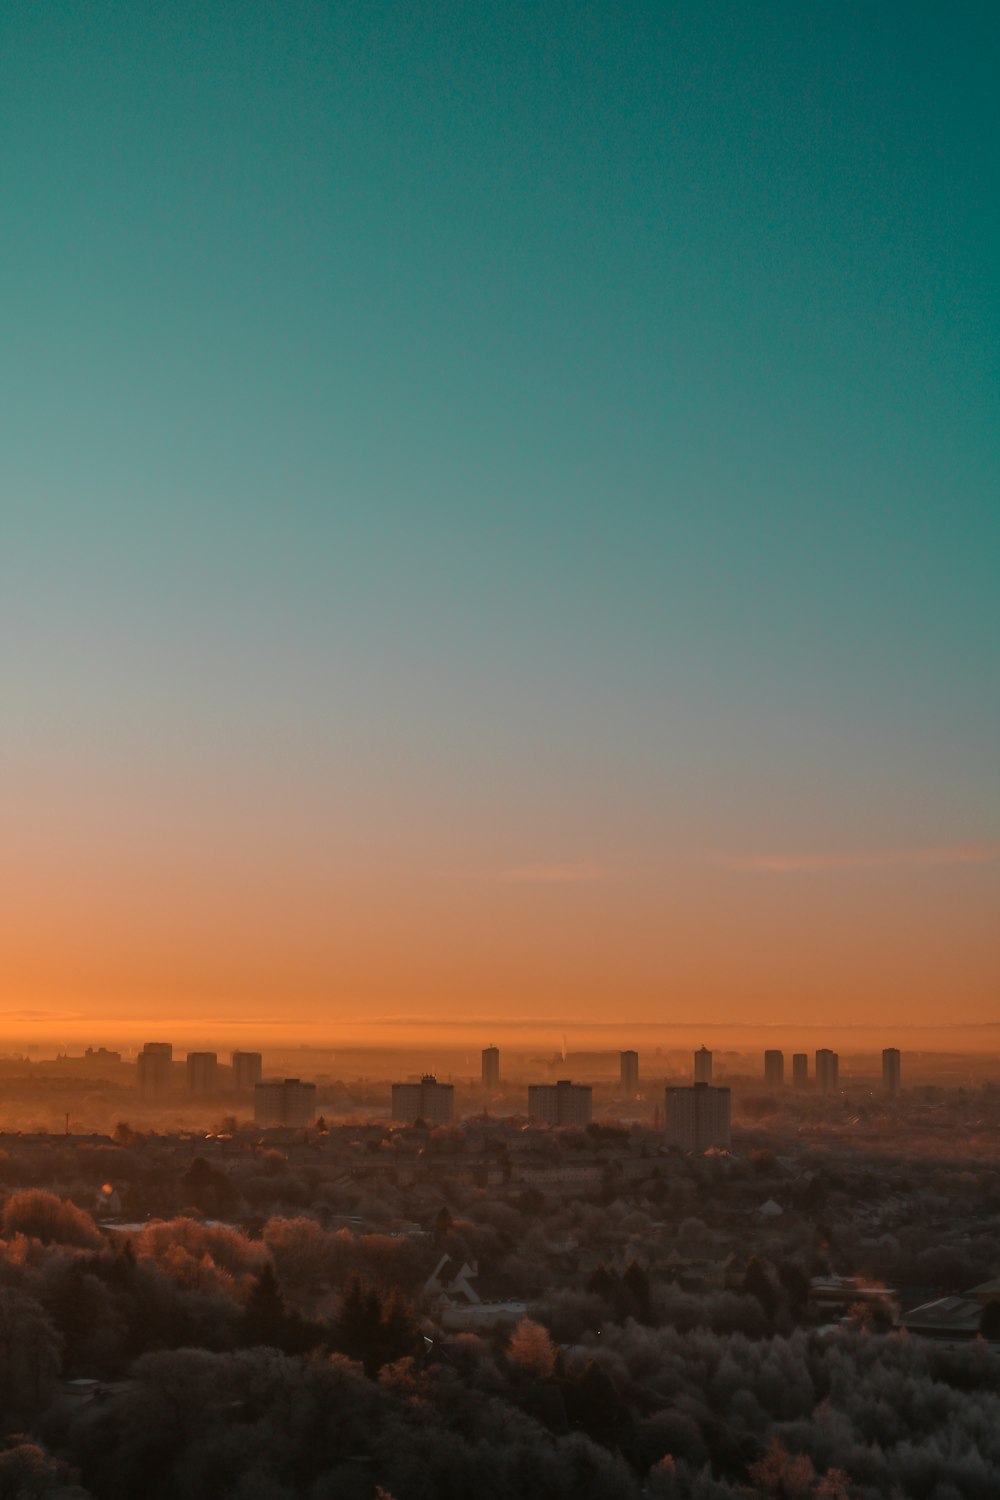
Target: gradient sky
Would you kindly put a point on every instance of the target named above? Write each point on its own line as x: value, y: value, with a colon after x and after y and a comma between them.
x: 500, y: 512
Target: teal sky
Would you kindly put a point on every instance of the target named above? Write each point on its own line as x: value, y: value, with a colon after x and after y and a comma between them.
x: 551, y: 444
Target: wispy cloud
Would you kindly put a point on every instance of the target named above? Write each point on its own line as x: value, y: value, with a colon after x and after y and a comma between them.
x: 27, y: 1014
x: 573, y: 872
x: 864, y: 859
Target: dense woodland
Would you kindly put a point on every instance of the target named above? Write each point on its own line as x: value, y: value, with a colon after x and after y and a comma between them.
x: 254, y: 1322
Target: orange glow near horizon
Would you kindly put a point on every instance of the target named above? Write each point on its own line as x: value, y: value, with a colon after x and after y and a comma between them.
x: 528, y: 950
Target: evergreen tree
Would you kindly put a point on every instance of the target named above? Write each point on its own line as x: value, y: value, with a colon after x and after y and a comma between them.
x: 756, y: 1283
x: 602, y: 1282
x: 636, y: 1283
x: 399, y: 1332
x: 264, y: 1321
x: 443, y: 1225
x: 357, y: 1328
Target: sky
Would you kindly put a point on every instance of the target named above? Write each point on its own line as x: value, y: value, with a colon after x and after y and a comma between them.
x: 500, y: 514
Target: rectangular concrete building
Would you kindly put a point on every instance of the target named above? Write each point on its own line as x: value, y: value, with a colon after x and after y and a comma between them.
x: 202, y: 1071
x: 154, y: 1070
x: 774, y: 1068
x: 630, y: 1072
x: 890, y: 1070
x: 491, y: 1069
x: 286, y: 1101
x: 698, y: 1118
x: 827, y: 1071
x: 562, y: 1103
x: 428, y: 1100
x: 248, y: 1068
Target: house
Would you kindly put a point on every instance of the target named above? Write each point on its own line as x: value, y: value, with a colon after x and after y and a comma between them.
x: 456, y: 1303
x: 953, y: 1318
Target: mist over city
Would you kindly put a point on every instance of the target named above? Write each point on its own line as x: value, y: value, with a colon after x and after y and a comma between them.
x: 499, y: 751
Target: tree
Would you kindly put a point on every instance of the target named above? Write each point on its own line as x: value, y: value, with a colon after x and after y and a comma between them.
x: 795, y: 1283
x: 833, y: 1486
x: 399, y: 1334
x: 531, y: 1349
x: 756, y: 1283
x: 29, y: 1353
x: 45, y: 1217
x: 594, y: 1405
x: 264, y: 1320
x: 602, y: 1283
x: 636, y: 1283
x: 443, y: 1225
x: 27, y: 1472
x: 781, y: 1474
x: 357, y: 1328
x: 208, y: 1189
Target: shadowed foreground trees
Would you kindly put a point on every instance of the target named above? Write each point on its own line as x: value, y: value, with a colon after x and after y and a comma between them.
x: 652, y: 1413
x: 372, y: 1330
x: 27, y: 1472
x: 265, y: 1366
x: 43, y: 1216
x: 29, y: 1354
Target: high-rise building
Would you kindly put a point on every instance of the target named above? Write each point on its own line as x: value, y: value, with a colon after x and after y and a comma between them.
x: 827, y: 1070
x: 248, y: 1068
x: 202, y: 1072
x: 630, y: 1072
x: 800, y: 1070
x: 561, y: 1103
x: 154, y: 1069
x: 703, y: 1066
x: 698, y: 1118
x: 774, y: 1068
x: 286, y: 1101
x: 428, y: 1100
x: 890, y: 1070
x: 491, y: 1069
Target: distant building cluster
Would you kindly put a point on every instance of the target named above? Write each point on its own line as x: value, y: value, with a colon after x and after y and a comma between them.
x: 696, y: 1116
x: 826, y: 1070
